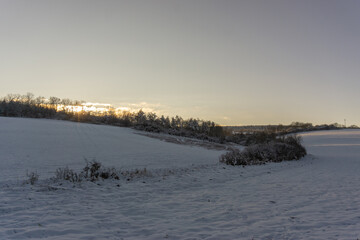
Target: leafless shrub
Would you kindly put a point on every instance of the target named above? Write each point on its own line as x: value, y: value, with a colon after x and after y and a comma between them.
x: 286, y: 148
x: 68, y: 175
x: 33, y: 177
x: 93, y: 171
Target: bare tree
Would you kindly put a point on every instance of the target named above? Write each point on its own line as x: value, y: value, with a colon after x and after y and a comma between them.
x: 54, y: 101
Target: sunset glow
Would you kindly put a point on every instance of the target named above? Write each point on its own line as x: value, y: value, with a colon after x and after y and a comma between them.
x: 87, y: 107
x: 234, y: 62
x: 101, y: 108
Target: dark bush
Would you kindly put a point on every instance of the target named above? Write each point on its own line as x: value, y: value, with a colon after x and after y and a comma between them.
x: 93, y: 171
x: 260, y: 138
x: 68, y: 175
x: 282, y: 149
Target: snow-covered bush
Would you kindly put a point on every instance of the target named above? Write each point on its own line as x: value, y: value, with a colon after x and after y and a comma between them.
x: 68, y: 175
x: 33, y: 177
x: 94, y: 171
x: 282, y: 149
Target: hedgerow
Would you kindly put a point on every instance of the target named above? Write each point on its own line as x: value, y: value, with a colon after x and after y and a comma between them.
x: 278, y: 150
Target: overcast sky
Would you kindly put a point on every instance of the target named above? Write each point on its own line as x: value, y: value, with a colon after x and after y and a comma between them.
x: 233, y: 62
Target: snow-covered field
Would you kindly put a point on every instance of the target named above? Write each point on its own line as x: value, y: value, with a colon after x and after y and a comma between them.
x: 317, y: 197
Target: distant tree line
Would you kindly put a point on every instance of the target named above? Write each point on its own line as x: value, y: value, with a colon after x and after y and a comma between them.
x: 250, y: 135
x: 296, y: 127
x: 16, y: 105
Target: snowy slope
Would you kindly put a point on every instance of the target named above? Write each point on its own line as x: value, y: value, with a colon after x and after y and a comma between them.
x: 317, y: 197
x: 44, y: 145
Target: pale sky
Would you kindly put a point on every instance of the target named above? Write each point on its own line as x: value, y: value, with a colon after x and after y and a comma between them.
x: 233, y: 62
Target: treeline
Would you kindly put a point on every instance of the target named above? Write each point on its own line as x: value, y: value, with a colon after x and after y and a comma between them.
x: 296, y: 127
x: 280, y: 129
x: 16, y: 105
x: 250, y: 135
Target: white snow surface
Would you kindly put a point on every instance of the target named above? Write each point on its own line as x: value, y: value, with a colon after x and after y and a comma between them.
x: 44, y: 145
x: 317, y: 197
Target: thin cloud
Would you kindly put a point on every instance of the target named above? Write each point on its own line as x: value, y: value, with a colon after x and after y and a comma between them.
x: 144, y: 106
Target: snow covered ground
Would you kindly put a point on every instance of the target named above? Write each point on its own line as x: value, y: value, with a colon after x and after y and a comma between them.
x: 44, y: 145
x: 317, y: 197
